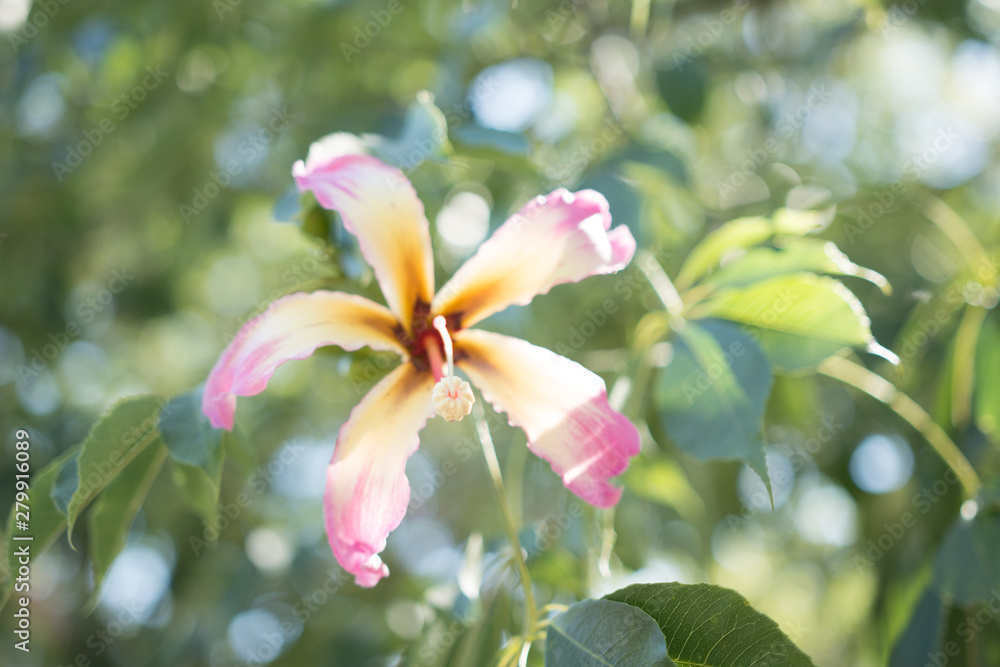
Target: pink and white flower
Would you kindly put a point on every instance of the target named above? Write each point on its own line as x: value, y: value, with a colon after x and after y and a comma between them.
x: 563, y: 408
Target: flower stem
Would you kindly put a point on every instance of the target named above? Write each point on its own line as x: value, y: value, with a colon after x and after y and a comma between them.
x: 882, y: 390
x: 490, y: 454
x: 660, y: 282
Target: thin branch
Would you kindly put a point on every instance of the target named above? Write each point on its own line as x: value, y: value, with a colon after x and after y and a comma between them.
x: 882, y: 390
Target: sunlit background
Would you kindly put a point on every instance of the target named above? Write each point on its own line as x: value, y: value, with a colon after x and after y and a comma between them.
x: 132, y: 249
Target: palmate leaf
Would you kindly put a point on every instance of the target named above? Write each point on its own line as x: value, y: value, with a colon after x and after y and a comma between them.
x: 710, y: 626
x: 710, y: 398
x: 799, y: 320
x: 602, y: 633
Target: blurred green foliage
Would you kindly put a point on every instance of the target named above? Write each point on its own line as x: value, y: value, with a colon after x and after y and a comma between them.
x: 143, y: 148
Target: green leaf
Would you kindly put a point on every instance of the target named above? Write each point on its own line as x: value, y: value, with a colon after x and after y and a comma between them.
x: 987, y: 391
x: 196, y: 449
x: 601, y: 633
x: 710, y: 398
x: 796, y: 255
x: 800, y: 320
x: 743, y: 233
x: 200, y: 492
x: 922, y: 635
x: 66, y: 484
x: 798, y: 221
x: 117, y: 438
x: 45, y: 522
x: 739, y: 233
x: 189, y: 435
x: 966, y: 568
x: 424, y: 136
x: 661, y: 480
x: 709, y: 626
x: 110, y: 518
x: 476, y: 136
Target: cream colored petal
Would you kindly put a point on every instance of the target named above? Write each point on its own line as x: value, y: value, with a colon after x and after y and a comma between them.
x: 559, y: 238
x: 292, y: 328
x: 366, y: 487
x: 380, y: 207
x: 561, y: 406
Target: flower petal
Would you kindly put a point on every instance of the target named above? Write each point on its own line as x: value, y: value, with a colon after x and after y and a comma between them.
x: 559, y: 238
x: 380, y: 207
x: 366, y: 487
x: 292, y: 328
x: 562, y: 407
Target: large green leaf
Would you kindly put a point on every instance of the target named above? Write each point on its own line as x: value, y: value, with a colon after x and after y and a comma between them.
x: 117, y: 438
x: 112, y: 514
x: 709, y: 626
x: 800, y: 320
x: 45, y: 520
x: 967, y: 567
x: 922, y: 635
x: 601, y: 633
x: 710, y: 398
x: 796, y: 255
x: 743, y: 233
x: 196, y: 449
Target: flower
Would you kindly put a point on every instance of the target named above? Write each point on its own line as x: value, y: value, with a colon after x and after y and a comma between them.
x: 561, y: 406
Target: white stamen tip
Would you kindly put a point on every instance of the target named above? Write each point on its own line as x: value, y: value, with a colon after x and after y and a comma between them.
x: 453, y: 398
